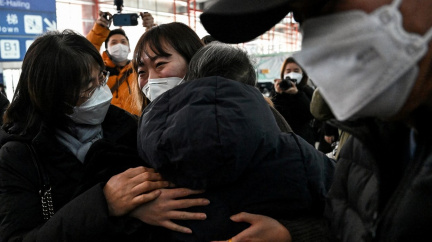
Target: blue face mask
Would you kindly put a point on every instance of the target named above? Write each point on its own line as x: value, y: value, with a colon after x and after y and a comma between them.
x: 94, y: 110
x: 367, y: 66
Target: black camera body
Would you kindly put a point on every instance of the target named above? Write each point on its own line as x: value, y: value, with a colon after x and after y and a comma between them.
x: 286, y: 83
x: 125, y: 19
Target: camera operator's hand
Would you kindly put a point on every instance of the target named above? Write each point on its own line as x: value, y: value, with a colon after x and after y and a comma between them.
x: 148, y: 21
x: 292, y: 90
x: 105, y: 19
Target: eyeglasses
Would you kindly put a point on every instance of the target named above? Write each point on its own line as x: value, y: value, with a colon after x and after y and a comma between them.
x: 103, y: 78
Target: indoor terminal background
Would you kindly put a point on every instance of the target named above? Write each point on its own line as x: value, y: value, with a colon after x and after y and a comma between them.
x: 21, y: 21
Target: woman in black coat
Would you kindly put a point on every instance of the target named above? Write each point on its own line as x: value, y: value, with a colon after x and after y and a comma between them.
x: 292, y: 99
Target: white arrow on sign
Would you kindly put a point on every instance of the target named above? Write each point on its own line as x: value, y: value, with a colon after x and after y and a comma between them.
x: 51, y: 25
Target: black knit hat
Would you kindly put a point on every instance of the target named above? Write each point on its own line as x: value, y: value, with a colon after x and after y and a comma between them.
x: 238, y: 21
x: 113, y: 32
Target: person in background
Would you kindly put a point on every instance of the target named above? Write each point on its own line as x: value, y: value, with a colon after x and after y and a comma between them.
x: 292, y: 99
x: 379, y: 88
x: 117, y: 48
x: 3, y: 89
x: 4, y: 104
x: 219, y: 135
x: 58, y: 125
x: 322, y: 112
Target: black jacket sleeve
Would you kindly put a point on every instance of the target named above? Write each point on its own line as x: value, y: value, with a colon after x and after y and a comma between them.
x: 85, y: 218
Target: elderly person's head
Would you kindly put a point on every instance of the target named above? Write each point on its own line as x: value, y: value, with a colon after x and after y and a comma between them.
x: 219, y: 59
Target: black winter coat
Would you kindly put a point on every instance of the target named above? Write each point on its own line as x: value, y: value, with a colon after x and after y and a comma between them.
x: 380, y: 191
x: 220, y: 135
x: 295, y: 108
x: 81, y: 218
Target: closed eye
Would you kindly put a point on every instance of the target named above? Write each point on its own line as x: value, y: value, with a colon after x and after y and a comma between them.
x: 160, y: 64
x: 141, y: 73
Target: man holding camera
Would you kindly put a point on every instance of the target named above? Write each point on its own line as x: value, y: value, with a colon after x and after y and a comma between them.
x: 122, y: 79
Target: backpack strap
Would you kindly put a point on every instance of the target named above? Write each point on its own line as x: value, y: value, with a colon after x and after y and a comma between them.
x: 120, y: 81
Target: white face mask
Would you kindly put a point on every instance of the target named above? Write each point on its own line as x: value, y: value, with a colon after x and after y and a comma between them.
x: 94, y: 110
x: 119, y: 52
x: 156, y: 87
x: 294, y: 76
x: 367, y: 66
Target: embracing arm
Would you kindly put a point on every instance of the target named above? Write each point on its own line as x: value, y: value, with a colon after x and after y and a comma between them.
x: 84, y: 218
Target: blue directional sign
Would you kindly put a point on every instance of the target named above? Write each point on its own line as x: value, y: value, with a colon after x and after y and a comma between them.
x: 21, y: 21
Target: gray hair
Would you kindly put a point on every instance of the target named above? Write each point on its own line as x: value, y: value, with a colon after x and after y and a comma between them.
x: 219, y: 59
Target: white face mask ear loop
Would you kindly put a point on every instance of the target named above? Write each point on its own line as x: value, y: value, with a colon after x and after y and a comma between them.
x: 428, y: 35
x: 396, y: 3
x: 182, y: 80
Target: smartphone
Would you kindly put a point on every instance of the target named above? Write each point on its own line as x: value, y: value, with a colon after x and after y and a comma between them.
x: 125, y: 19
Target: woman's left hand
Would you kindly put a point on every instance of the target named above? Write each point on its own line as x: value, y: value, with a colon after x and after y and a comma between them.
x: 164, y: 208
x: 131, y: 188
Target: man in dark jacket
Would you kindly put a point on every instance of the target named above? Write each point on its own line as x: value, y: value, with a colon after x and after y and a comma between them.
x: 372, y: 61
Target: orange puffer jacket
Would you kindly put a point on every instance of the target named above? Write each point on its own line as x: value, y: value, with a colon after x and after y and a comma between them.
x: 122, y: 80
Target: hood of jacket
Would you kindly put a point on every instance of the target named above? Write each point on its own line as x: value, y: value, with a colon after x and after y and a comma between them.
x: 206, y: 132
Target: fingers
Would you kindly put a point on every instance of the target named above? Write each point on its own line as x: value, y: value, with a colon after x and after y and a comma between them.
x: 187, y: 203
x: 104, y: 19
x: 132, y: 172
x: 175, y: 227
x: 182, y: 192
x: 148, y: 186
x: 147, y: 197
x: 181, y: 215
x: 147, y: 176
x: 147, y: 19
x: 244, y: 217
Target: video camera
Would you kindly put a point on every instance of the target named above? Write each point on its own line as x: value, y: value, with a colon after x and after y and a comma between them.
x: 124, y: 19
x: 286, y: 83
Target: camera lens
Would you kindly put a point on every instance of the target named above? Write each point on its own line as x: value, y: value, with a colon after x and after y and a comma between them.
x: 285, y: 84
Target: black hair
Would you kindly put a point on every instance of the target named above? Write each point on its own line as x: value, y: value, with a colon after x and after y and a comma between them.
x: 178, y: 35
x: 113, y: 32
x: 56, y: 67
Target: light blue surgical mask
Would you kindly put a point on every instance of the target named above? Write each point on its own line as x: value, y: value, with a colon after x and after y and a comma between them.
x: 94, y: 110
